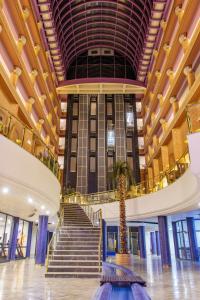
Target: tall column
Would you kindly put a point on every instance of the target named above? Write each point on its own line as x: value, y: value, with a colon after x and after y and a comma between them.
x: 13, y: 238
x: 41, y: 245
x: 82, y: 155
x: 104, y: 239
x: 192, y: 238
x: 120, y: 136
x: 29, y: 238
x: 153, y: 243
x: 175, y: 238
x: 157, y: 243
x: 102, y: 185
x: 142, y: 242
x: 164, y: 241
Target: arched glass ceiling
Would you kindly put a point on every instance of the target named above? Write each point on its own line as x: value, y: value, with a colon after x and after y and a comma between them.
x: 74, y: 26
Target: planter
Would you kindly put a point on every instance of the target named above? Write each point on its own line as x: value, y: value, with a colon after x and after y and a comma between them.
x: 124, y: 259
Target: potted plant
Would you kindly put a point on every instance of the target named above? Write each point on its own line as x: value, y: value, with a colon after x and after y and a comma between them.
x: 122, y: 176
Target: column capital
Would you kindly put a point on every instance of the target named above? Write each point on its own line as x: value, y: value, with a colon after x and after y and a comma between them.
x: 184, y: 41
x: 187, y: 70
x: 33, y: 75
x: 155, y: 52
x: 163, y: 24
x: 158, y: 74
x: 26, y: 13
x: 172, y: 99
x: 45, y: 75
x: 179, y: 11
x: 21, y: 42
x: 31, y: 100
x: 37, y: 48
x: 167, y: 48
x: 16, y: 73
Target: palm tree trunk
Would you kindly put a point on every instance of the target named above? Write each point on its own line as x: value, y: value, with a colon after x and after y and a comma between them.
x: 123, y: 232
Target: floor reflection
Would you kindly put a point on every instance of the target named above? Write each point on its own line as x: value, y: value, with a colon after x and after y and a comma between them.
x: 24, y: 280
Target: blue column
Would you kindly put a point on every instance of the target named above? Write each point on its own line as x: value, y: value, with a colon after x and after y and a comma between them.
x: 164, y: 241
x: 13, y: 238
x: 157, y: 243
x: 104, y: 239
x: 41, y: 240
x: 29, y: 238
x: 192, y: 238
x: 153, y: 243
x: 142, y: 242
x: 175, y: 238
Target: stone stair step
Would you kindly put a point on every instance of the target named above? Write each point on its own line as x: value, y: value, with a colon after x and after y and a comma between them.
x: 76, y: 247
x: 76, y: 257
x: 74, y: 262
x: 75, y: 252
x: 73, y: 269
x: 72, y: 275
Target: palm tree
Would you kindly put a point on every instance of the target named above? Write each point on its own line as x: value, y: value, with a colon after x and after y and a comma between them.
x: 121, y: 175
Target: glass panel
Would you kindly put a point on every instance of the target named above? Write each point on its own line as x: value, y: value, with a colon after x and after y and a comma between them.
x: 73, y: 164
x: 93, y: 108
x: 75, y: 109
x: 112, y: 241
x: 197, y: 225
x: 93, y: 125
x: 74, y: 145
x: 109, y: 108
x: 6, y: 240
x: 92, y: 164
x: 3, y: 255
x: 74, y: 126
x: 93, y: 144
x: 20, y: 238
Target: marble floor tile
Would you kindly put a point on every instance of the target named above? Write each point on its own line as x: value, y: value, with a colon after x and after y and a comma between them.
x: 23, y: 280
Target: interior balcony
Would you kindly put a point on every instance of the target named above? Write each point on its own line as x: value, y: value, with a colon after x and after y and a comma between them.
x: 30, y: 173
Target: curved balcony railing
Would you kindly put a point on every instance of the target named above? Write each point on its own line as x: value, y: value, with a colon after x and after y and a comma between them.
x: 143, y: 188
x: 16, y: 131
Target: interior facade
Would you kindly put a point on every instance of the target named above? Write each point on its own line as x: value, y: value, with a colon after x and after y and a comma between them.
x: 88, y: 87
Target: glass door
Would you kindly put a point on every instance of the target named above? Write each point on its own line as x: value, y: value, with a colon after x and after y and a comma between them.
x: 22, y: 239
x: 133, y: 240
x: 183, y: 240
x: 5, y: 231
x: 112, y: 240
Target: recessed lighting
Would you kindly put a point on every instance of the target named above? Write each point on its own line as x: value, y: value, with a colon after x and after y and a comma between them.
x: 36, y: 221
x: 30, y: 200
x: 47, y: 212
x: 199, y: 204
x: 53, y: 223
x: 42, y: 207
x: 5, y: 190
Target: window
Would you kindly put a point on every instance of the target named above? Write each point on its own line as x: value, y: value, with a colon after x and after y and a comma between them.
x: 109, y: 108
x: 93, y: 144
x: 130, y: 162
x: 129, y: 145
x: 93, y: 108
x: 74, y: 126
x: 110, y: 163
x: 74, y: 145
x: 92, y: 164
x: 75, y: 109
x: 93, y: 126
x: 73, y: 164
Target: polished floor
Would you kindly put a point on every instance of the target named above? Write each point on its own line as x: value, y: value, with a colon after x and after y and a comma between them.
x: 22, y: 280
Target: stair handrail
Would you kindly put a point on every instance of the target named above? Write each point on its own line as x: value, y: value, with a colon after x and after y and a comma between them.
x: 55, y: 238
x: 100, y: 238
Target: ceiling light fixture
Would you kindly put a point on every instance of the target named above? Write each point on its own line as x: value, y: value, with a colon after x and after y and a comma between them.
x: 42, y: 207
x: 30, y: 200
x: 5, y: 190
x: 47, y: 212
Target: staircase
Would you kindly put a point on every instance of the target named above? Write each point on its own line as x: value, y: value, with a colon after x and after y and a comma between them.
x: 74, y: 252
